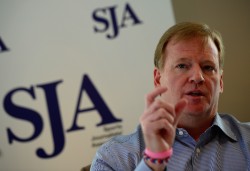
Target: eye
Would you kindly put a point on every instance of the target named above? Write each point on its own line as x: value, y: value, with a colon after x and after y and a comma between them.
x: 209, y: 68
x: 182, y: 66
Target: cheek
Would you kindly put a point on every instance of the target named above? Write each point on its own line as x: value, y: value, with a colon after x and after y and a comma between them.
x: 168, y: 82
x: 214, y: 86
x: 175, y: 86
x: 175, y: 83
x: 178, y: 83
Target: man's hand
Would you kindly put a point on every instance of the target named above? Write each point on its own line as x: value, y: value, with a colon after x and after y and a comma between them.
x: 159, y: 121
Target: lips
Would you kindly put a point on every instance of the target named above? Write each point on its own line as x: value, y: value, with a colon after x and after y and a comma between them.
x: 195, y: 93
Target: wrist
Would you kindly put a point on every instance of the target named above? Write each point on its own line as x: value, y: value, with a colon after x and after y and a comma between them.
x: 157, y: 160
x: 159, y: 155
x: 155, y: 167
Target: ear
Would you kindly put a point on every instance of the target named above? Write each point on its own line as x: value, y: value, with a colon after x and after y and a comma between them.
x: 221, y: 82
x: 157, y: 77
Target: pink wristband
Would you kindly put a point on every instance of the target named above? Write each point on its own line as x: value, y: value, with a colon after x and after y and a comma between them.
x: 160, y: 155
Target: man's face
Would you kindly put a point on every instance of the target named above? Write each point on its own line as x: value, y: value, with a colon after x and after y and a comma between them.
x: 191, y: 71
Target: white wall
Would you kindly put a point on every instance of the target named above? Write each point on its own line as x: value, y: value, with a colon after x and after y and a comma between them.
x: 50, y: 48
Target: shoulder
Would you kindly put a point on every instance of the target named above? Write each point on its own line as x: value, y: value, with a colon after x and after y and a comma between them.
x: 238, y: 127
x: 123, y: 151
x: 232, y: 119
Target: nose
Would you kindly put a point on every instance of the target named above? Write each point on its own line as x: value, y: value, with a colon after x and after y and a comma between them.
x: 197, y: 76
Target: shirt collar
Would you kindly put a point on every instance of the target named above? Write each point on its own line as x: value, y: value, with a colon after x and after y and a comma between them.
x: 224, y: 126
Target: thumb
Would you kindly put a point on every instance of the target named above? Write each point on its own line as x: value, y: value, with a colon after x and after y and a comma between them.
x: 178, y: 110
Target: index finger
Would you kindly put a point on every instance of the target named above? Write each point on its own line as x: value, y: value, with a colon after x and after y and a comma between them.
x: 179, y: 107
x: 156, y: 92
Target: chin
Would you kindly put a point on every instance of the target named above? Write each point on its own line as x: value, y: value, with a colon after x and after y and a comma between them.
x: 195, y: 110
x: 190, y: 119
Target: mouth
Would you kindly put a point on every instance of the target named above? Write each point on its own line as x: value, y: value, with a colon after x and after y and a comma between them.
x: 195, y: 93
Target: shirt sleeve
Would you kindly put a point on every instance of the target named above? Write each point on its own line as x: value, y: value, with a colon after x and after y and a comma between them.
x: 107, y: 162
x: 119, y: 154
x: 142, y: 166
x: 102, y: 161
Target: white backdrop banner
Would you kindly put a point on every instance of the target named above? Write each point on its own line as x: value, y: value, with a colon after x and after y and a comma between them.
x: 73, y: 74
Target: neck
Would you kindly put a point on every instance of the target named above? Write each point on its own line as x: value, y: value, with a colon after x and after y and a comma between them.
x: 197, y: 127
x: 196, y: 133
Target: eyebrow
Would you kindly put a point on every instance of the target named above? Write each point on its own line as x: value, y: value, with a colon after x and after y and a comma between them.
x: 185, y: 59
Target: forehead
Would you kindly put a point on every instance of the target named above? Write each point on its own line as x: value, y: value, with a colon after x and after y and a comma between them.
x: 192, y: 48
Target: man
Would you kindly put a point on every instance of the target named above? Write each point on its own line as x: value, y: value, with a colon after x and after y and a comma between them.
x: 180, y: 128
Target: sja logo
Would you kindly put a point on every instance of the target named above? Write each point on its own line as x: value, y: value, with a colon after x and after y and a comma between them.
x: 107, y: 18
x: 32, y: 116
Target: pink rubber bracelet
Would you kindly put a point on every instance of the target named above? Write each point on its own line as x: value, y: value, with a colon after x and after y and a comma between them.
x: 160, y: 155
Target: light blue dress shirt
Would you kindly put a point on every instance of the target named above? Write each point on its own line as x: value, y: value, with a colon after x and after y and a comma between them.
x: 224, y: 146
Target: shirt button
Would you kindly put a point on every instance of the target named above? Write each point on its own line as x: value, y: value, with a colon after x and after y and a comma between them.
x: 181, y: 132
x: 198, y: 150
